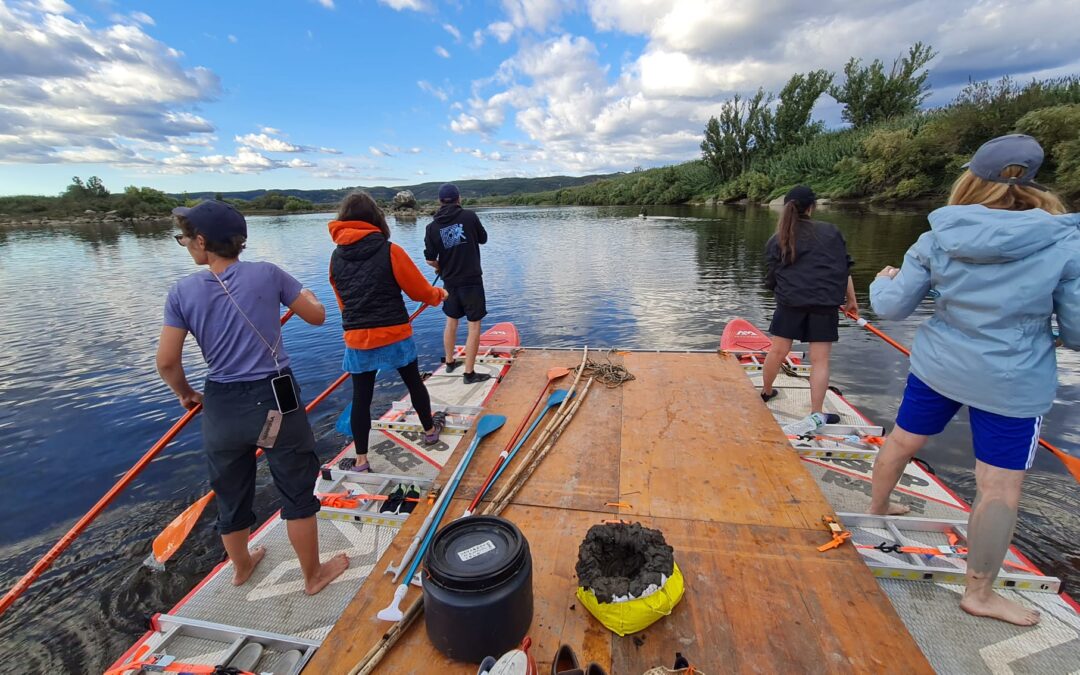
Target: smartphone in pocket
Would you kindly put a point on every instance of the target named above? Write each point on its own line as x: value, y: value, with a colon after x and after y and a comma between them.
x: 285, y: 393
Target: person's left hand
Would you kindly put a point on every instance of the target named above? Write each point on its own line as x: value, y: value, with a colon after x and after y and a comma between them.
x: 852, y: 307
x: 889, y: 271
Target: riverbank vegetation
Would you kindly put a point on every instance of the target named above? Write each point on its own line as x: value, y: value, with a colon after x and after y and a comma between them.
x: 892, y: 150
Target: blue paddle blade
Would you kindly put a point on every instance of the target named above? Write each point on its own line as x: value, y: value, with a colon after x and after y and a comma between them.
x: 344, y: 423
x: 489, y: 423
x: 557, y: 397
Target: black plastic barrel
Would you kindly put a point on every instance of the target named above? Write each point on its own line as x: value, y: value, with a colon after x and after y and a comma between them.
x: 477, y: 581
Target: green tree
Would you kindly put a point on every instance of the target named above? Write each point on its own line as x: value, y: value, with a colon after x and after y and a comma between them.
x: 742, y: 131
x: 869, y: 95
x: 297, y: 204
x: 791, y: 122
x: 95, y: 188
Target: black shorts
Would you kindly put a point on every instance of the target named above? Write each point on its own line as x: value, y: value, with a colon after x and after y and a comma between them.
x: 233, y: 416
x: 467, y: 301
x: 806, y: 324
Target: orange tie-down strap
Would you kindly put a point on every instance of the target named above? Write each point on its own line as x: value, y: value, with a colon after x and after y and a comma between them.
x: 166, y: 664
x: 345, y: 500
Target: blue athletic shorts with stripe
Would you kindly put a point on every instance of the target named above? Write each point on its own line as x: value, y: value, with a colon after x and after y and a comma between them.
x: 1004, y: 442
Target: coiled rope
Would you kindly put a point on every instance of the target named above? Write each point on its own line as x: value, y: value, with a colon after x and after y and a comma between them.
x: 611, y: 374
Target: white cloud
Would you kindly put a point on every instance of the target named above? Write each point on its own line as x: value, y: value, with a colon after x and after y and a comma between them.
x: 421, y: 172
x: 477, y: 39
x: 450, y: 28
x: 400, y: 5
x: 441, y: 94
x: 441, y: 51
x: 143, y: 18
x: 377, y: 152
x: 494, y: 156
x: 502, y: 30
x: 67, y: 88
x: 233, y: 39
x: 267, y: 143
x: 539, y: 15
x: 582, y: 115
x: 328, y: 4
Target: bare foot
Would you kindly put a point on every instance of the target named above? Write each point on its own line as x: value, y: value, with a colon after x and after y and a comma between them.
x: 893, y: 509
x: 328, y: 571
x: 997, y: 607
x: 242, y: 575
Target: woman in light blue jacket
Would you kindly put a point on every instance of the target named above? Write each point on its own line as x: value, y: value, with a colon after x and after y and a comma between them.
x: 1004, y: 258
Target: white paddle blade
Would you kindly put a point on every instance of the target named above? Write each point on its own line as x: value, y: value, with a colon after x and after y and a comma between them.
x: 393, y: 610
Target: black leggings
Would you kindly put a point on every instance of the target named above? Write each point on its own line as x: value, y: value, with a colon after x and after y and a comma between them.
x: 363, y: 387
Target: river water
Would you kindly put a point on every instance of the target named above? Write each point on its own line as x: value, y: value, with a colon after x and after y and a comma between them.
x: 81, y: 400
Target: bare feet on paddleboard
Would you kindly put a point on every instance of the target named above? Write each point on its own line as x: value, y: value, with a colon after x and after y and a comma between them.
x: 328, y: 571
x: 893, y: 509
x: 242, y: 575
x: 997, y: 607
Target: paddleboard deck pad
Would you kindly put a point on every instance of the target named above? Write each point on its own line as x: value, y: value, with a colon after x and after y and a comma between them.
x: 216, y: 621
x: 952, y: 641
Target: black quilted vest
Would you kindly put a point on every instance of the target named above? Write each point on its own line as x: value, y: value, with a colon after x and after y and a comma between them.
x: 364, y: 278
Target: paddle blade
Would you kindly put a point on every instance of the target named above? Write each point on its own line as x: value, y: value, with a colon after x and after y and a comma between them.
x: 557, y: 372
x: 1071, y: 463
x: 489, y: 423
x: 557, y: 397
x: 172, y: 537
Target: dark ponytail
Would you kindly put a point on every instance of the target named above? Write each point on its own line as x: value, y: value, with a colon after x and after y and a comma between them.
x: 785, y: 232
x: 797, y: 203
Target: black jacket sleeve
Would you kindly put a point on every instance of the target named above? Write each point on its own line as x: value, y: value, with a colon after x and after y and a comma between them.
x: 772, y: 260
x: 431, y: 249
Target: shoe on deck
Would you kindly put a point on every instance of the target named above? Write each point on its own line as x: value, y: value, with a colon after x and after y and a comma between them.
x: 807, y: 425
x: 474, y: 377
x: 451, y: 365
x: 832, y: 418
x: 439, y: 422
x: 397, y: 498
x: 768, y: 397
x: 412, y: 493
x: 565, y: 661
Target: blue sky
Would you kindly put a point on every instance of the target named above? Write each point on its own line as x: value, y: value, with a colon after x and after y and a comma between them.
x: 330, y: 93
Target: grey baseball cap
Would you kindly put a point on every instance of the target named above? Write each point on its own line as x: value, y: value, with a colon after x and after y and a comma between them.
x: 1013, y: 150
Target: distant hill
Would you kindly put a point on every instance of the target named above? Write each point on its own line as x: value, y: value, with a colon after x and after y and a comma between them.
x: 475, y: 189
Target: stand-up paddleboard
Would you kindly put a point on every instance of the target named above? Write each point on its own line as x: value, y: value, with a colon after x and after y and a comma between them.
x: 269, y: 624
x: 840, y: 457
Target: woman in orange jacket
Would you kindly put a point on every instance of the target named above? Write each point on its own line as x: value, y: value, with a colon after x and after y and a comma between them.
x: 368, y: 274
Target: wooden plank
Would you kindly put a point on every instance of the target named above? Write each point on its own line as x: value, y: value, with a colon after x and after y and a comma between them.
x: 758, y: 599
x: 743, y: 517
x: 698, y: 443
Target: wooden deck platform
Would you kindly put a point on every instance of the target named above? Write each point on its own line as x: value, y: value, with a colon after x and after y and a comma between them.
x: 691, y: 447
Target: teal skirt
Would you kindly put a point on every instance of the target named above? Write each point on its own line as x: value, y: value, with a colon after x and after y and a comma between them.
x: 388, y: 357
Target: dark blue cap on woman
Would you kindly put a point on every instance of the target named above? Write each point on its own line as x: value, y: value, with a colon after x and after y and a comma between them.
x: 994, y: 156
x: 803, y: 197
x: 214, y: 220
x: 448, y: 193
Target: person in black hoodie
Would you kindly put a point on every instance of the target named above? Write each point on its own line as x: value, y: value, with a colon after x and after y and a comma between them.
x: 452, y: 246
x: 807, y: 268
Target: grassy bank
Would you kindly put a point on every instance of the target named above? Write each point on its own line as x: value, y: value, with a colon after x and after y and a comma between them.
x: 912, y: 158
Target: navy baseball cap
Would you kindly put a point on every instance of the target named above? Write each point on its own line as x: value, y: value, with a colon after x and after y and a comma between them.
x: 217, y: 221
x: 449, y: 193
x: 803, y: 197
x: 995, y: 155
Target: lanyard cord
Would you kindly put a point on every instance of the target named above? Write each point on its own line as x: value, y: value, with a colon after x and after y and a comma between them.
x: 273, y: 349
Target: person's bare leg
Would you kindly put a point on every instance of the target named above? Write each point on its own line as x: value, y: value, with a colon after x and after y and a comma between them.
x: 819, y: 374
x: 243, y: 560
x: 990, y: 529
x: 449, y: 338
x: 304, y: 537
x: 900, y: 447
x: 781, y: 347
x: 472, y: 345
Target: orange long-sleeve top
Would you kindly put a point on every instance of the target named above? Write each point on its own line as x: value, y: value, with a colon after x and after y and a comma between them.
x: 408, y: 277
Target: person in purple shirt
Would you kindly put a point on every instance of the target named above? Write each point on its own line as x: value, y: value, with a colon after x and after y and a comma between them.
x: 250, y: 399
